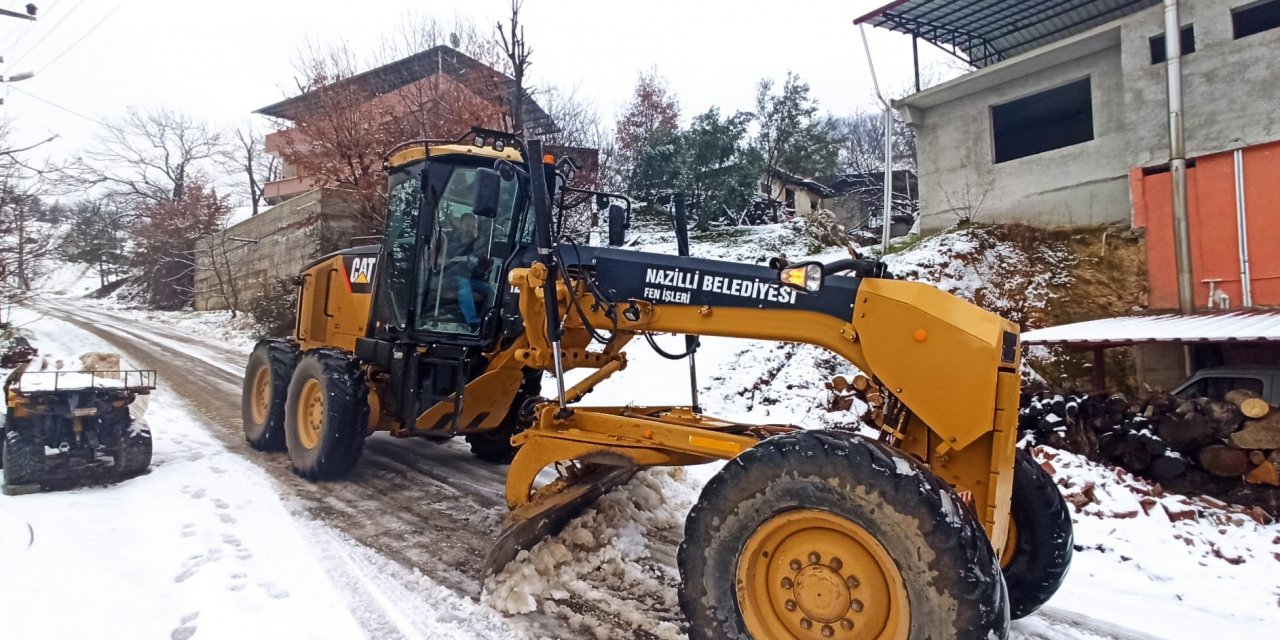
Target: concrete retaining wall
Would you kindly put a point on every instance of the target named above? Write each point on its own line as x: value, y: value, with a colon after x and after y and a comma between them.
x: 276, y: 243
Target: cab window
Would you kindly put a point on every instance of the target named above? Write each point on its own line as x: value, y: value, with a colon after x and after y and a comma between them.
x: 461, y: 270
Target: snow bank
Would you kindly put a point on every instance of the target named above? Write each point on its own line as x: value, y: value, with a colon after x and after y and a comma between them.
x: 1168, y: 565
x: 615, y: 558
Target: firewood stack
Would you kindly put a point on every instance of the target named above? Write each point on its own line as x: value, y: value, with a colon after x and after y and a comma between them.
x: 1160, y: 436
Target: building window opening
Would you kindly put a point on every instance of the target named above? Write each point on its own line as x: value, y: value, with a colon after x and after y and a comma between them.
x: 1255, y: 18
x: 1053, y: 119
x: 1188, y: 44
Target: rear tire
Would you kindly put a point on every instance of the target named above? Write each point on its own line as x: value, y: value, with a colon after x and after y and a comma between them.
x: 266, y: 385
x: 326, y: 415
x: 495, y: 446
x: 829, y: 534
x: 1039, y: 552
x: 23, y: 456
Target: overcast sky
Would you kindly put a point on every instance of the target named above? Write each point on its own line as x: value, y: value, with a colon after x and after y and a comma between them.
x: 220, y: 60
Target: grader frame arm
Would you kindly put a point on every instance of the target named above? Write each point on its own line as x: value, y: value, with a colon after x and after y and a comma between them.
x: 952, y: 365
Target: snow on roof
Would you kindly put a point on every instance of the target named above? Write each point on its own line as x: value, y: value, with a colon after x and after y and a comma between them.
x: 1237, y: 326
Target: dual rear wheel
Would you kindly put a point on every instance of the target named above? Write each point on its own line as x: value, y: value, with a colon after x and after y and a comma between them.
x: 314, y: 405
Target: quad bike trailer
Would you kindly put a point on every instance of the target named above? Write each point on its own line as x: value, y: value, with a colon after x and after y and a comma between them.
x: 84, y: 415
x: 939, y: 527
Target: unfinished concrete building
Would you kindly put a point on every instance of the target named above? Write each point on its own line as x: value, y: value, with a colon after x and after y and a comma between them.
x: 1065, y: 121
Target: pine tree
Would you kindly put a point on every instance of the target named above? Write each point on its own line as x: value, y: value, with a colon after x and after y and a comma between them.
x: 717, y: 168
x: 793, y: 136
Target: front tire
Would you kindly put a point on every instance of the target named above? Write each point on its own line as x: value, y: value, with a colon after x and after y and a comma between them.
x: 24, y: 460
x: 266, y: 385
x: 815, y: 534
x: 326, y: 415
x: 1038, y: 552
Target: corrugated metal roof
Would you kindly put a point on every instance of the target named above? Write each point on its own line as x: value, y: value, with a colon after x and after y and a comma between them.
x: 1237, y: 326
x: 984, y: 32
x: 482, y: 79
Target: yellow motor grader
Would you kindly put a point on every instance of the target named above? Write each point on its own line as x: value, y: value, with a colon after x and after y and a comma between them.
x: 938, y: 528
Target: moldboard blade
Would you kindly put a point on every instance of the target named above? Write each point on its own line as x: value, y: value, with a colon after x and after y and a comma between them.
x: 549, y: 511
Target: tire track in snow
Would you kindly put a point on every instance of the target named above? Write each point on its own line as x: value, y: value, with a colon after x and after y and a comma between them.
x: 429, y: 507
x: 426, y: 507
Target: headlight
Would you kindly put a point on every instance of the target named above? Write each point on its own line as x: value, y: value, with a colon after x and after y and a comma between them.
x: 806, y: 276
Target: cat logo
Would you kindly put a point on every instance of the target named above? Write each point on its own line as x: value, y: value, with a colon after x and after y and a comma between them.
x: 360, y: 271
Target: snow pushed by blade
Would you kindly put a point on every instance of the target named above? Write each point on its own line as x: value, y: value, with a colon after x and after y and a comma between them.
x: 618, y: 557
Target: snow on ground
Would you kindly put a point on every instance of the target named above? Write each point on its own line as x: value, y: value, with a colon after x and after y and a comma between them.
x: 1142, y: 568
x: 69, y: 280
x: 1168, y: 565
x: 200, y: 544
x: 1138, y: 576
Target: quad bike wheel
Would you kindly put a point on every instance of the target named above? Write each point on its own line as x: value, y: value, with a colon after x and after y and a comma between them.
x: 266, y: 385
x: 495, y: 446
x: 1038, y: 550
x: 823, y: 535
x: 23, y: 459
x: 130, y: 442
x: 326, y: 415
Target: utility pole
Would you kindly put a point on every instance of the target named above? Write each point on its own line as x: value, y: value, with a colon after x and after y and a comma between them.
x: 886, y: 232
x: 29, y: 15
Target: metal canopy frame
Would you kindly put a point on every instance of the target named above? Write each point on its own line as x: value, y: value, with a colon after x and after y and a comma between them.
x: 984, y: 32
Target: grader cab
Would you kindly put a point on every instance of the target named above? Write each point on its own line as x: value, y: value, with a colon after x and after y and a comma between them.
x: 938, y: 528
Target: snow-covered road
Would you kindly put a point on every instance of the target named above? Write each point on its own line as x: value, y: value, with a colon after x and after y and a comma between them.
x: 401, y: 541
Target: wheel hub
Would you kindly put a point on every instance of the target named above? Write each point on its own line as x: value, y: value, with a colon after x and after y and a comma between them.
x: 310, y: 414
x: 812, y: 574
x: 821, y: 593
x: 261, y: 403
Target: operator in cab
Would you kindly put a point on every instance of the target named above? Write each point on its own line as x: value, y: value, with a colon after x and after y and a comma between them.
x: 467, y: 267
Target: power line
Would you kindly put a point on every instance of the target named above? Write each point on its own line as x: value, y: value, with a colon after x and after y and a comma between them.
x: 55, y: 105
x: 81, y: 38
x: 49, y: 32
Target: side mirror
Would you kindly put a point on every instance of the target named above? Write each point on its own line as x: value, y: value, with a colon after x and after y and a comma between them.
x: 488, y: 189
x: 617, y: 225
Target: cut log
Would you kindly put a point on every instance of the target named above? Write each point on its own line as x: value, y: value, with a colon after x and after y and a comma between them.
x: 1185, y: 433
x: 1224, y: 416
x: 1257, y: 457
x: 1135, y: 456
x: 1251, y: 404
x: 1167, y: 467
x: 1111, y: 444
x: 861, y: 382
x: 1223, y: 461
x: 1259, y: 434
x: 1265, y: 473
x: 1117, y: 403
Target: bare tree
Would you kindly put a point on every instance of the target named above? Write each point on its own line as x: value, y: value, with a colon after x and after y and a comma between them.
x: 149, y: 157
x: 418, y: 32
x: 967, y: 200
x: 26, y: 235
x: 517, y: 52
x: 226, y: 273
x: 246, y: 156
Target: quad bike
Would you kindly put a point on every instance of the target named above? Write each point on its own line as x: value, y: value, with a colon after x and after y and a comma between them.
x: 83, y: 415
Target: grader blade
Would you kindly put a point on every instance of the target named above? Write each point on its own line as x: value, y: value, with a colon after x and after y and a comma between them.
x: 551, y: 508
